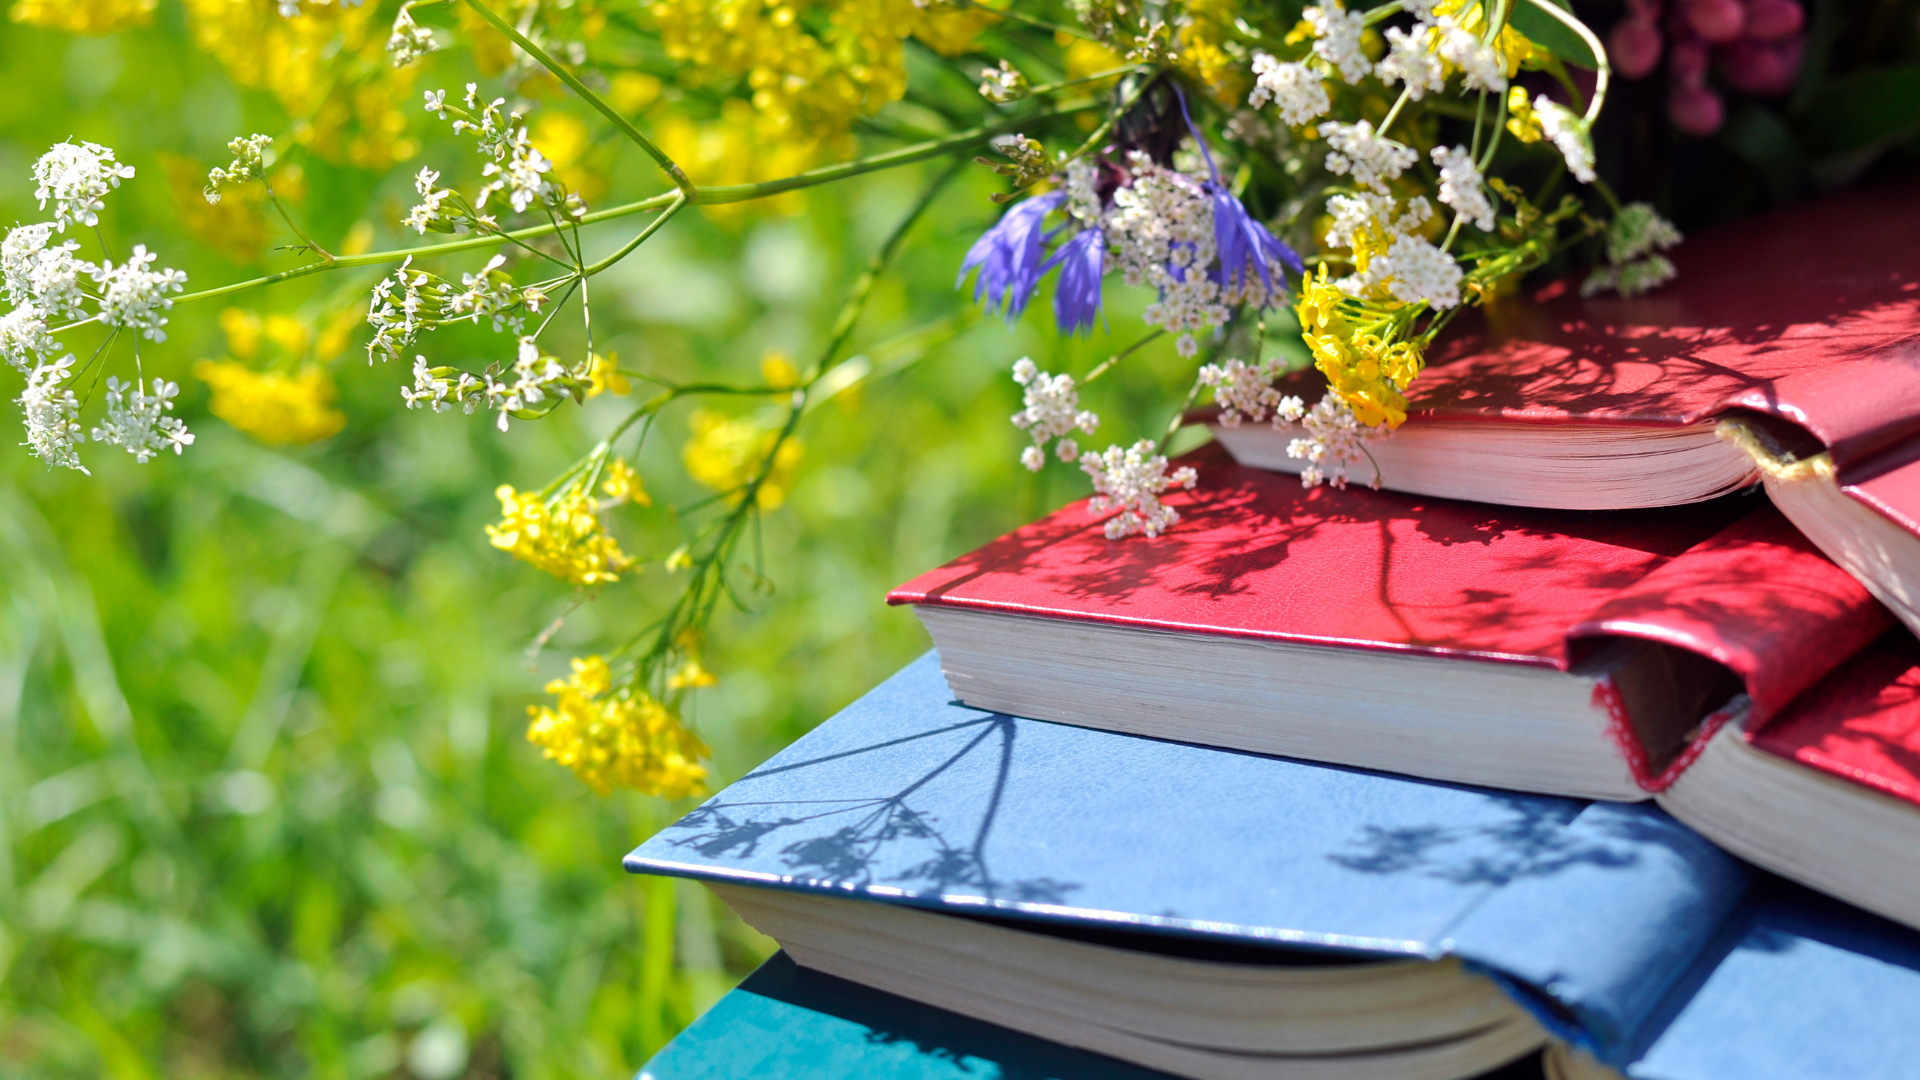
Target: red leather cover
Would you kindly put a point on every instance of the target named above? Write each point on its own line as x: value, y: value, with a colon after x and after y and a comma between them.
x: 1861, y: 723
x: 1258, y: 556
x: 1794, y: 291
x: 1890, y: 483
x: 1752, y: 597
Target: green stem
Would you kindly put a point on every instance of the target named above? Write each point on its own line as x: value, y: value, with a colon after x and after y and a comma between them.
x: 679, y: 200
x: 288, y: 218
x: 1038, y: 24
x: 573, y: 82
x: 1104, y: 365
x: 712, y: 196
x: 1603, y: 73
x: 1394, y: 113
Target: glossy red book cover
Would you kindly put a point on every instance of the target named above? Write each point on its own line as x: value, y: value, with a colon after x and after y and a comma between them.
x: 1256, y: 555
x: 1861, y: 723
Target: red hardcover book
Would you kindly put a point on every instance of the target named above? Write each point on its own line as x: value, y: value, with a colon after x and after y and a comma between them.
x: 1575, y: 653
x: 1827, y: 791
x: 1801, y: 327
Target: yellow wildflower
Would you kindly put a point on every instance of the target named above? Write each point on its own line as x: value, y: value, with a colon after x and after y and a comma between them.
x: 271, y: 406
x: 623, y: 484
x: 1364, y: 369
x: 566, y: 141
x: 726, y: 453
x: 337, y: 333
x: 1200, y: 42
x: 562, y: 536
x: 777, y: 369
x: 616, y: 737
x: 1521, y: 120
x: 632, y: 91
x: 329, y: 66
x: 680, y: 559
x: 692, y: 675
x: 83, y: 16
x: 242, y: 327
x: 604, y: 376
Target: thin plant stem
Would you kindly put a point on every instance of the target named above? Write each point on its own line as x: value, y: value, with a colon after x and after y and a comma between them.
x: 667, y: 165
x: 1105, y: 365
x: 652, y: 227
x: 324, y: 254
x: 1603, y: 74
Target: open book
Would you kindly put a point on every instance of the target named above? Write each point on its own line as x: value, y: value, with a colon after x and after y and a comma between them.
x: 1206, y: 913
x: 1553, y: 651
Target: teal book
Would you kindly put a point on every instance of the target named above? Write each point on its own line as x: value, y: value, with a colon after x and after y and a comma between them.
x: 1205, y: 912
x: 790, y: 1023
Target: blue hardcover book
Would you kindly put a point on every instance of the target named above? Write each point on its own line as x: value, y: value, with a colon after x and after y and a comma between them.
x: 1206, y: 912
x: 1798, y: 986
x: 788, y: 1022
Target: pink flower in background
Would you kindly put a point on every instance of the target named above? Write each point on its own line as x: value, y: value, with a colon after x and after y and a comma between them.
x: 1756, y: 45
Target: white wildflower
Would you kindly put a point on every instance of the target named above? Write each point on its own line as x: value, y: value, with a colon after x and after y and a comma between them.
x: 135, y: 297
x: 522, y: 175
x: 23, y: 337
x: 138, y: 421
x: 409, y: 41
x: 1338, y: 38
x: 75, y: 178
x: 1372, y: 159
x: 1052, y: 410
x: 1161, y: 229
x: 535, y: 378
x: 1356, y: 214
x: 1295, y: 90
x: 437, y: 103
x: 1131, y: 481
x: 1636, y: 230
x: 249, y: 163
x: 1630, y: 279
x: 1412, y: 61
x: 1083, y: 190
x: 47, y: 277
x: 1483, y: 66
x: 1243, y: 391
x: 1415, y: 270
x: 427, y: 214
x: 1335, y: 442
x: 396, y: 319
x: 488, y: 295
x: 1002, y: 84
x: 52, y: 414
x: 440, y: 389
x: 1461, y: 186
x: 1569, y: 134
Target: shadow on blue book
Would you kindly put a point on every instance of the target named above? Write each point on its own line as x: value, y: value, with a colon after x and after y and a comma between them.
x: 1597, y: 918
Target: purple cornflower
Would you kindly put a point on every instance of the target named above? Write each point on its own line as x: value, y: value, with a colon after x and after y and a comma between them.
x: 1009, y: 255
x: 1237, y: 238
x: 1082, y: 262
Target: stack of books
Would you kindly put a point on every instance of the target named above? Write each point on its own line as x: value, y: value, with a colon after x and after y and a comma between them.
x: 1587, y: 747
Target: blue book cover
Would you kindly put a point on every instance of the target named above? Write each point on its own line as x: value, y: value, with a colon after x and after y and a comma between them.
x: 788, y: 1022
x: 1799, y: 986
x: 1589, y: 913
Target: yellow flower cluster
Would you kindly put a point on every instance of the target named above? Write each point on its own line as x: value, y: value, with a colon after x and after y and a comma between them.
x: 810, y: 87
x: 1201, y: 53
x: 726, y: 453
x: 1521, y: 120
x: 83, y: 16
x: 563, y: 535
x: 1365, y: 369
x: 328, y: 67
x: 272, y: 406
x: 616, y: 738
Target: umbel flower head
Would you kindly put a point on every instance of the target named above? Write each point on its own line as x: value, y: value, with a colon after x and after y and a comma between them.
x: 616, y: 737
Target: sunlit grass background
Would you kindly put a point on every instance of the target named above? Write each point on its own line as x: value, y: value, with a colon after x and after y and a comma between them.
x: 266, y: 808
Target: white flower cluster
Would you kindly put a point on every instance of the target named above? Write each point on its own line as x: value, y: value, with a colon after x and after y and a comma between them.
x: 1052, y: 410
x: 514, y: 167
x: 1569, y: 134
x: 44, y: 278
x: 1337, y: 33
x: 409, y: 41
x: 396, y: 321
x: 1414, y: 60
x: 1243, y: 391
x: 531, y: 380
x: 1295, y: 90
x: 52, y: 414
x: 249, y: 163
x: 1480, y: 63
x: 428, y: 214
x: 1131, y: 480
x: 1335, y: 441
x: 1161, y: 231
x: 1003, y: 84
x: 1082, y: 186
x: 135, y: 297
x: 1415, y: 270
x: 138, y: 421
x: 76, y: 178
x: 1411, y: 268
x: 1462, y: 187
x: 1372, y: 159
x: 1635, y: 239
x: 413, y: 300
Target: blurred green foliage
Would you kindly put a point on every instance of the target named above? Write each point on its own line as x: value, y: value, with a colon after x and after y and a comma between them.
x: 265, y: 804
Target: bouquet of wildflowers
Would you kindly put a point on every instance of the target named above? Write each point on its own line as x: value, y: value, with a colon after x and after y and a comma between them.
x: 1350, y: 179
